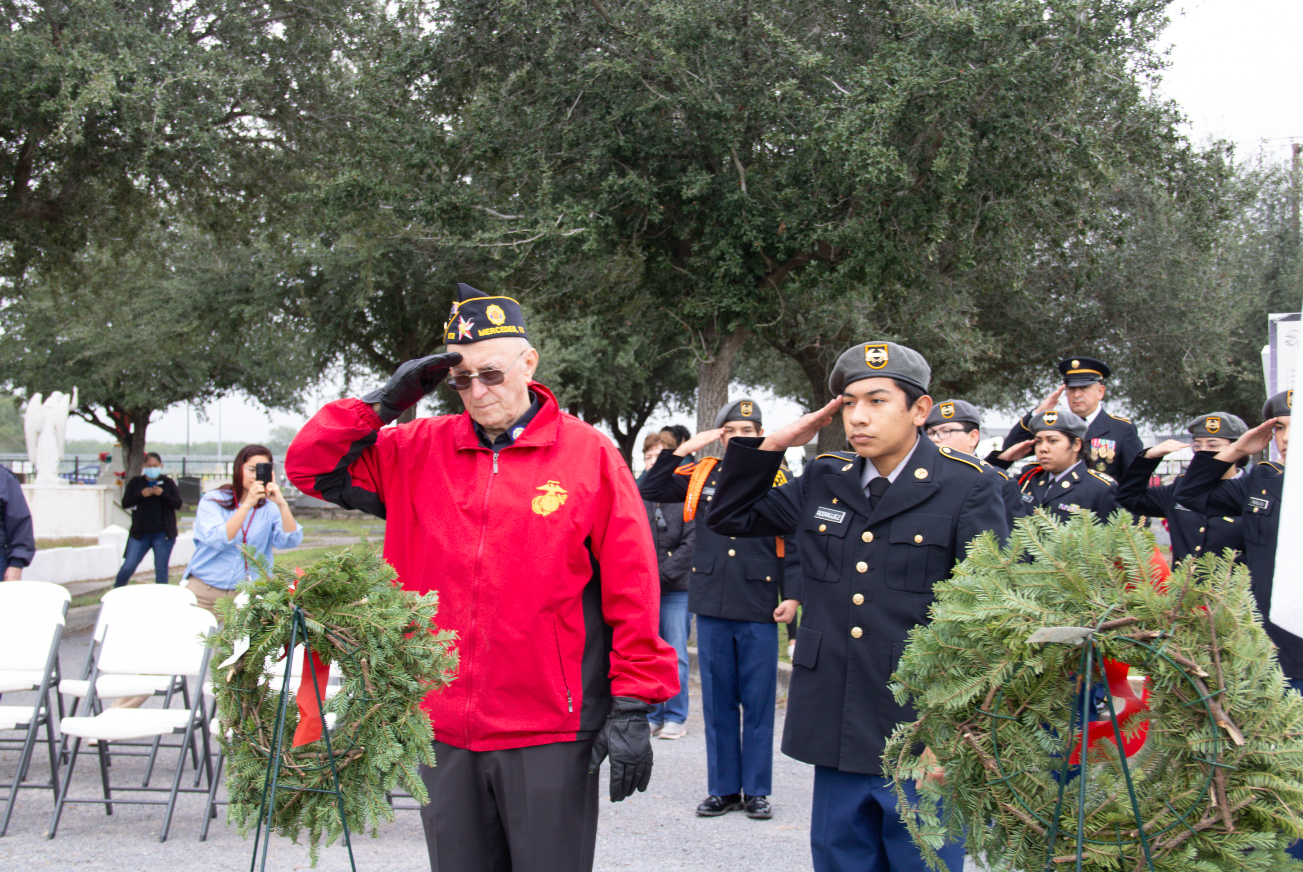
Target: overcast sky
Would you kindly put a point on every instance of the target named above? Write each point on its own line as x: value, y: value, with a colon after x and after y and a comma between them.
x: 1231, y: 61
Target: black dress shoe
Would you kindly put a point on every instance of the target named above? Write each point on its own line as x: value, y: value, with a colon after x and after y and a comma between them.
x: 714, y: 806
x: 758, y: 807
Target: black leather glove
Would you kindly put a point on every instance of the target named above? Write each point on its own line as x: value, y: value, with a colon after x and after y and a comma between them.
x: 413, y: 380
x: 627, y: 736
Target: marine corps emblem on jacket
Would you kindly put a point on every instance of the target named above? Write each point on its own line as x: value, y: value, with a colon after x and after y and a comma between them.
x: 547, y: 503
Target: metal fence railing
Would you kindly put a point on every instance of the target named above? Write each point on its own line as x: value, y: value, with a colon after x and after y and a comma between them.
x: 86, y: 468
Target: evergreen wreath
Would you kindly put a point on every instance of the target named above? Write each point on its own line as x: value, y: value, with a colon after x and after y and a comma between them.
x: 1218, y: 780
x: 390, y: 655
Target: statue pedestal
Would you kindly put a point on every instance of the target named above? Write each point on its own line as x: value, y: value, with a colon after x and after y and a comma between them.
x: 65, y: 510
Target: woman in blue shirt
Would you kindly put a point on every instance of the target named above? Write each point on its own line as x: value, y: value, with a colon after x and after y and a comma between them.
x: 245, y: 512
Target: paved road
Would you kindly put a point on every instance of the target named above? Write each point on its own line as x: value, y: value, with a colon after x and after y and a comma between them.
x: 655, y: 831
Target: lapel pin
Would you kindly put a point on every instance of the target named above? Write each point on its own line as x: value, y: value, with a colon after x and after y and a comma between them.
x: 920, y: 473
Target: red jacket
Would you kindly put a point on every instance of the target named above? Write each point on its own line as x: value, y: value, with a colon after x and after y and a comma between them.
x: 542, y: 558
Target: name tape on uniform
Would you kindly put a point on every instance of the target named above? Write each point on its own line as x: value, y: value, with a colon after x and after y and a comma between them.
x: 830, y: 515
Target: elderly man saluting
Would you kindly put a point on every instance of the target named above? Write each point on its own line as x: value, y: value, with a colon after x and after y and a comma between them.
x: 529, y: 525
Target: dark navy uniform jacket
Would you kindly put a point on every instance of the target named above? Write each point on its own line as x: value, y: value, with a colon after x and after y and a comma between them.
x: 1080, y: 488
x: 1014, y: 507
x: 1255, y: 499
x: 17, y: 543
x: 1111, y: 442
x: 868, y: 578
x: 1192, y: 532
x: 732, y: 578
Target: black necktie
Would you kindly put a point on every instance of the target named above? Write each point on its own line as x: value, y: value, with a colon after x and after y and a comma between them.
x: 877, y: 487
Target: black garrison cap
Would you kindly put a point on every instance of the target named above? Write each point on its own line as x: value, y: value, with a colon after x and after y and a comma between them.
x: 475, y: 316
x: 880, y: 360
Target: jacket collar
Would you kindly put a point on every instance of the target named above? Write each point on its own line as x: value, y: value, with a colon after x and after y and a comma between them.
x: 914, y: 484
x: 542, y: 430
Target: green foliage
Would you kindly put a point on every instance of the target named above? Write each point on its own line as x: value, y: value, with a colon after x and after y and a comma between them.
x: 384, y: 641
x: 12, y: 439
x: 997, y: 710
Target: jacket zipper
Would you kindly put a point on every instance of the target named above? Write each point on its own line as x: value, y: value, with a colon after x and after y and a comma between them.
x: 479, y: 557
x: 561, y: 662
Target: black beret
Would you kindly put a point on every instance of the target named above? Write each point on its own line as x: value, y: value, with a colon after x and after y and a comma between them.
x: 880, y: 360
x: 1278, y: 406
x: 1078, y: 371
x: 744, y: 409
x: 954, y: 410
x: 1221, y: 425
x: 1064, y: 422
x: 475, y: 317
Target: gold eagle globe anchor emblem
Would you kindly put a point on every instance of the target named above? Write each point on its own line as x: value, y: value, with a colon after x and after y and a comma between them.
x: 547, y: 503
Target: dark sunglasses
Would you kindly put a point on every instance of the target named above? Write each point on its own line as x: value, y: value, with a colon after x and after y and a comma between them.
x: 487, y: 377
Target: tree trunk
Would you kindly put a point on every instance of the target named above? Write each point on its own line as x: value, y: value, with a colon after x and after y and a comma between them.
x: 713, y: 375
x: 832, y: 437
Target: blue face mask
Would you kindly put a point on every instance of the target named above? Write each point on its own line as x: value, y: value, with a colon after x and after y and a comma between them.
x: 153, y: 471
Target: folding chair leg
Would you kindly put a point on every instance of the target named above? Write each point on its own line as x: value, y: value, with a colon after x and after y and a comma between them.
x: 210, y: 810
x: 176, y: 780
x: 102, y: 747
x: 24, y: 762
x: 63, y: 790
x: 54, y: 760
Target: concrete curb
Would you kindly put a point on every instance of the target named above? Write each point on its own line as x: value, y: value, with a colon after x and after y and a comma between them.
x: 784, y: 672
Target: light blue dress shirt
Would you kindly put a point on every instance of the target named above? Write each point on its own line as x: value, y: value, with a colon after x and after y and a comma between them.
x: 219, y: 561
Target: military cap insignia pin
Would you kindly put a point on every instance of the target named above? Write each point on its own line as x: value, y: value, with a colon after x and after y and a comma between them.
x: 1289, y: 399
x: 1213, y: 424
x: 875, y: 355
x: 920, y: 473
x: 1050, y: 417
x: 947, y: 410
x: 745, y: 409
x: 495, y: 314
x: 464, y: 327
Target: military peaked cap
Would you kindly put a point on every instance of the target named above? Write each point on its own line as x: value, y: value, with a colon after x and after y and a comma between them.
x: 1078, y: 371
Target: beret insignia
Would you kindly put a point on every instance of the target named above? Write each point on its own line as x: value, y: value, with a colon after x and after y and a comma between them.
x: 1050, y: 417
x: 875, y: 355
x: 1213, y: 424
x: 947, y: 410
x: 745, y: 409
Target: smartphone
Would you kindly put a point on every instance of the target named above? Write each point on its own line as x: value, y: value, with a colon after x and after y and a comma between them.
x: 262, y: 472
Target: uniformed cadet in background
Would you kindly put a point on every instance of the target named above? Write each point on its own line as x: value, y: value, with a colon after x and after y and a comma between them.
x: 877, y: 527
x: 1060, y: 482
x: 1255, y: 498
x: 1111, y: 441
x: 740, y: 589
x: 1192, y: 533
x: 958, y: 424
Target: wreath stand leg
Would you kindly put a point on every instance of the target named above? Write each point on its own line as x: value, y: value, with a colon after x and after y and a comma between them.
x: 1088, y: 661
x: 271, y: 784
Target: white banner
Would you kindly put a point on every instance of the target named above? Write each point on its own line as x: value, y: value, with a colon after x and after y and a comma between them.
x: 1287, y: 586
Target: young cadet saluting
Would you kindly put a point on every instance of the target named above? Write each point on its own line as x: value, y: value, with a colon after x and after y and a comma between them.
x: 1111, y: 441
x: 958, y: 424
x: 1060, y: 483
x: 740, y: 590
x: 877, y: 528
x: 1192, y: 532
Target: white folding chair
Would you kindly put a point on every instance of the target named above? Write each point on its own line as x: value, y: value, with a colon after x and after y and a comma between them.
x: 32, y: 614
x: 133, y: 596
x: 166, y: 642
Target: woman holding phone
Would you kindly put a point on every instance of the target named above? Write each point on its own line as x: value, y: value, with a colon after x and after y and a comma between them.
x: 251, y: 511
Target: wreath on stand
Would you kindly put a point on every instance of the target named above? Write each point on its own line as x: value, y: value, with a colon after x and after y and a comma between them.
x: 1207, y: 754
x: 390, y: 655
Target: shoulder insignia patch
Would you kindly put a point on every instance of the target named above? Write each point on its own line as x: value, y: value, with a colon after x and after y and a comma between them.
x: 780, y: 478
x: 1107, y: 479
x: 1117, y: 417
x: 1272, y: 464
x: 970, y: 460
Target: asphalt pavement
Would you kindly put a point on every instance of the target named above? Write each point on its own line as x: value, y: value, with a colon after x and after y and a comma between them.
x: 655, y: 831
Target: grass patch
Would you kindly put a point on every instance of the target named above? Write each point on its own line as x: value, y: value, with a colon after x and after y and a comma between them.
x: 66, y: 542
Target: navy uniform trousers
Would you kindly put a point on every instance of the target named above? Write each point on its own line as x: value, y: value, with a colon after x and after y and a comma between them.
x: 867, y: 576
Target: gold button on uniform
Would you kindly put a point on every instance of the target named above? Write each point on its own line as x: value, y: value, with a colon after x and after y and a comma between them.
x: 707, y: 499
x: 920, y: 473
x: 858, y: 599
x: 861, y: 567
x: 1067, y: 484
x: 919, y: 539
x: 732, y: 553
x: 767, y: 578
x: 856, y: 632
x: 1198, y: 548
x: 823, y: 527
x: 867, y: 536
x: 1201, y: 529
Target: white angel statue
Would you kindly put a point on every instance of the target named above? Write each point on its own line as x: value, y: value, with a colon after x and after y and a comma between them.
x: 44, y: 424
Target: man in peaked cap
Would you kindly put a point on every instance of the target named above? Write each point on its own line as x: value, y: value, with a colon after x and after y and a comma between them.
x: 1060, y: 482
x: 877, y: 527
x: 527, y: 522
x: 1193, y: 533
x: 1111, y: 441
x: 740, y: 589
x: 958, y: 424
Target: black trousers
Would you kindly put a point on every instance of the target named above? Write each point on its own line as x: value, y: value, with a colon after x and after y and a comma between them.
x: 519, y: 810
